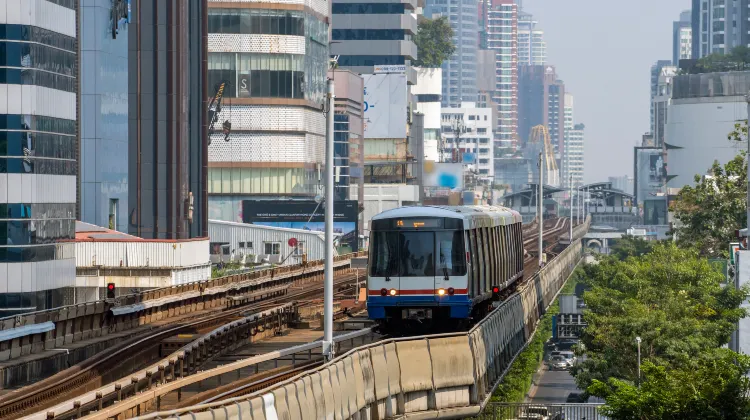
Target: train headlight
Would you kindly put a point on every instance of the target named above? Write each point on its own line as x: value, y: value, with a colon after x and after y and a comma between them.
x: 392, y: 292
x: 383, y: 292
x: 451, y: 291
x: 441, y: 292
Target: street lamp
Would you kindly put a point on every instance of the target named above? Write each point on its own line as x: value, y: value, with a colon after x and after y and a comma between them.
x: 638, y: 340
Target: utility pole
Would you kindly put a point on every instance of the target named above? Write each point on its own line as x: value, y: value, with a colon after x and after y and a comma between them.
x: 328, y: 281
x: 747, y: 222
x: 638, y: 340
x: 541, y: 208
x: 570, y: 219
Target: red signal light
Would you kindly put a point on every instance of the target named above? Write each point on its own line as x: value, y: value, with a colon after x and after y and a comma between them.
x: 383, y: 292
x: 495, y: 289
x: 110, y: 290
x: 451, y: 291
x: 111, y: 286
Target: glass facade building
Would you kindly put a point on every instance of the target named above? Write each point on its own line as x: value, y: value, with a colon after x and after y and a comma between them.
x: 38, y: 154
x: 167, y: 180
x: 103, y: 197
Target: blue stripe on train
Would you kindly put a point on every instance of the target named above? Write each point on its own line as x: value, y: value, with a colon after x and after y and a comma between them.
x: 460, y: 305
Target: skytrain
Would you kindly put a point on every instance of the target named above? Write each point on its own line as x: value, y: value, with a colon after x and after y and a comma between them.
x: 441, y: 266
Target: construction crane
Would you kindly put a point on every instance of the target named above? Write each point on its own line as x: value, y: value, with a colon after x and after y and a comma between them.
x: 540, y: 134
x: 214, y: 108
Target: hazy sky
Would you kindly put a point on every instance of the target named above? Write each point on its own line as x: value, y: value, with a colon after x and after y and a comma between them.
x: 603, y: 50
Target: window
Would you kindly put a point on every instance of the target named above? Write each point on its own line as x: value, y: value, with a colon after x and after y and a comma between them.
x: 242, y: 244
x: 367, y: 8
x: 368, y: 34
x: 272, y: 248
x: 256, y: 21
x: 114, y: 205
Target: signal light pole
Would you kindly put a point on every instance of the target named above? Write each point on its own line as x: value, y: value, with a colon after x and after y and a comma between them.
x: 541, y: 207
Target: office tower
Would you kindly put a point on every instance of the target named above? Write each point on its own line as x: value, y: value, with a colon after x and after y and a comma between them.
x: 460, y: 70
x: 365, y: 35
x: 39, y: 165
x: 661, y: 103
x: 532, y: 49
x: 274, y: 59
x: 541, y: 97
x: 655, y: 72
x: 719, y: 25
x: 167, y: 119
x: 682, y: 38
x: 501, y: 27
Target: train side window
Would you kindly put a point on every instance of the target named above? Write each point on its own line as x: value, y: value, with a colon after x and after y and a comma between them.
x: 518, y: 239
x: 470, y: 271
x: 493, y: 254
x: 504, y: 270
x: 512, y: 251
x: 474, y: 259
x: 482, y: 260
x: 490, y: 260
x: 504, y: 264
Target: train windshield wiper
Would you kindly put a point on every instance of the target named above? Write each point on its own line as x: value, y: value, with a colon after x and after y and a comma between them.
x: 445, y: 272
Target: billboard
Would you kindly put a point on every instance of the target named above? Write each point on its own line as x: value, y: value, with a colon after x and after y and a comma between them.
x: 385, y: 106
x: 443, y: 175
x: 306, y: 215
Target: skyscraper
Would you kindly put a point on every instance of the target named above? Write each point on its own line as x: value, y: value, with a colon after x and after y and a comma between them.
x: 167, y: 119
x: 501, y: 27
x: 39, y: 154
x: 532, y: 49
x: 682, y: 38
x: 541, y: 97
x: 718, y: 26
x: 460, y: 70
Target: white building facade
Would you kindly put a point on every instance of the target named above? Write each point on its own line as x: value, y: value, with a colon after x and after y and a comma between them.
x: 573, y: 152
x: 699, y: 121
x: 428, y: 91
x: 275, y: 62
x: 474, y: 142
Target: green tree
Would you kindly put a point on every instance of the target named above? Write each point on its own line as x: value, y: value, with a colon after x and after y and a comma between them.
x: 673, y: 299
x: 710, y: 211
x: 631, y: 246
x: 434, y: 42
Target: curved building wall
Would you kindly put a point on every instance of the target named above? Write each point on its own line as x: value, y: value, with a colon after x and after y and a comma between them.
x: 274, y: 57
x: 38, y: 156
x: 696, y: 135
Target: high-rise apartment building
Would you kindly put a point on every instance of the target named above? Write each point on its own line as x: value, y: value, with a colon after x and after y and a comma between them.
x: 532, y: 49
x: 365, y: 35
x: 274, y: 58
x: 682, y: 38
x: 719, y: 25
x: 501, y: 28
x: 655, y: 72
x: 473, y: 142
x: 38, y: 170
x: 460, y: 70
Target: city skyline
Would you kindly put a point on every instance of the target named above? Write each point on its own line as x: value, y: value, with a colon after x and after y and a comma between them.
x: 629, y: 39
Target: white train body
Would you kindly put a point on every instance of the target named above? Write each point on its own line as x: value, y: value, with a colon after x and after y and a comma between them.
x: 441, y: 263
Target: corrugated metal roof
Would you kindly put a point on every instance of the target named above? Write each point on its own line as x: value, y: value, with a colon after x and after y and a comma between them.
x: 26, y: 330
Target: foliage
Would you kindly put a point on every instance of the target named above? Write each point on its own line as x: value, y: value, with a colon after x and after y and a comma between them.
x: 434, y: 41
x: 631, y: 246
x: 517, y: 381
x: 673, y: 299
x: 713, y: 389
x: 711, y: 211
x: 737, y: 59
x: 740, y: 132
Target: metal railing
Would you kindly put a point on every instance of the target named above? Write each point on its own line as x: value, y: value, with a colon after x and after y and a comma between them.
x: 513, y: 411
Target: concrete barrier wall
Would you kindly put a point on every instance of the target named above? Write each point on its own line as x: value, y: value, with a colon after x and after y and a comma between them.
x: 440, y: 376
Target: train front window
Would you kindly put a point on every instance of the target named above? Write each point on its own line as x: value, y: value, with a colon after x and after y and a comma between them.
x: 417, y: 255
x: 384, y: 250
x: 451, y: 254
